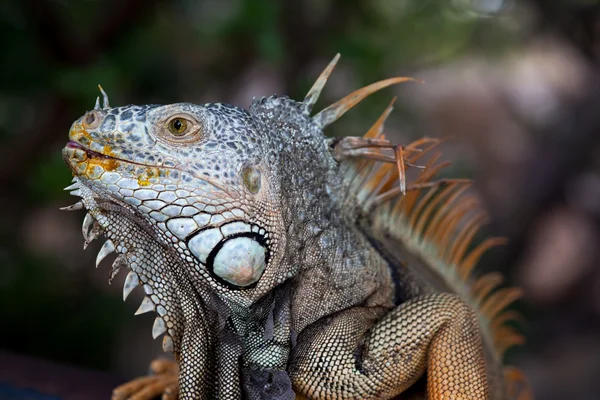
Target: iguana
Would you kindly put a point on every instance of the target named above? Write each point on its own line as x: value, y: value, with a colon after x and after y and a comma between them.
x: 281, y: 262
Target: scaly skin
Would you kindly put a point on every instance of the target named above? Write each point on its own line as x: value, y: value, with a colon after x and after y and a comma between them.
x: 244, y: 232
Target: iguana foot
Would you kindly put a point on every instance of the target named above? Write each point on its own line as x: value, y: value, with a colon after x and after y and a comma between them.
x: 164, y: 381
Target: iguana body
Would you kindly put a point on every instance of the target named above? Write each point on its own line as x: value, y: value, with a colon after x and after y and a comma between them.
x: 281, y: 262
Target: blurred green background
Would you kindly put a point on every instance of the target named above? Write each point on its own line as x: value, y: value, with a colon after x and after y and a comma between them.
x: 515, y: 83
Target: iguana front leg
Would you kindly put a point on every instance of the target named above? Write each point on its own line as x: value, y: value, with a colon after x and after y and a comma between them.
x: 348, y: 357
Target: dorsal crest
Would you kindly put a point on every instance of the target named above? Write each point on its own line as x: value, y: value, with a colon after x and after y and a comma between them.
x: 434, y: 219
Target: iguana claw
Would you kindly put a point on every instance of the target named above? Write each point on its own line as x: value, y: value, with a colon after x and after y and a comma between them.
x: 164, y: 381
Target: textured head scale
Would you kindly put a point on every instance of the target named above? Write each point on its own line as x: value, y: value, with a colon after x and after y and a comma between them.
x: 198, y: 195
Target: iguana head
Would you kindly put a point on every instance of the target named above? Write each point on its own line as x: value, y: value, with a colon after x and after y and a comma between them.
x: 195, y: 176
x: 202, y: 196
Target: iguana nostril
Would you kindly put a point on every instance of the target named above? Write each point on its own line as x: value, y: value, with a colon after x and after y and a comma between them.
x: 91, y: 120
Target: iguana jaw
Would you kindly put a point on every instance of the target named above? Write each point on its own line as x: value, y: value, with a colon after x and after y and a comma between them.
x: 95, y: 171
x: 72, y: 153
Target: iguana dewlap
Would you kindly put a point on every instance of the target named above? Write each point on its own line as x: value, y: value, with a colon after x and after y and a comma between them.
x: 282, y: 262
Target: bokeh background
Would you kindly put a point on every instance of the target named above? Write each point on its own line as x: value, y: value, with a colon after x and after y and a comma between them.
x: 514, y: 83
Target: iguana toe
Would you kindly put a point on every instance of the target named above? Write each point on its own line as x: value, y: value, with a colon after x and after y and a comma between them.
x: 164, y: 382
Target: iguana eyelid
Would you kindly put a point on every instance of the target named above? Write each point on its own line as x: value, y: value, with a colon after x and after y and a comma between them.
x: 192, y: 134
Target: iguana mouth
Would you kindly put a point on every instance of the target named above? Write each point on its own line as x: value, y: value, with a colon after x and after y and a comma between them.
x: 111, y: 162
x: 91, y: 153
x: 94, y: 154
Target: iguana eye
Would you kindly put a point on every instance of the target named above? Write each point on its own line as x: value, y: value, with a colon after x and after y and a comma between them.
x: 178, y: 126
x: 180, y: 129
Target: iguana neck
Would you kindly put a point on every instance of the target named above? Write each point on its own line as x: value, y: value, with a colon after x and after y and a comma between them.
x: 337, y: 265
x: 331, y: 262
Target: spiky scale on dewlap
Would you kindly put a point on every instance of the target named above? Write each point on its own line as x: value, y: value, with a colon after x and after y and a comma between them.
x: 277, y: 260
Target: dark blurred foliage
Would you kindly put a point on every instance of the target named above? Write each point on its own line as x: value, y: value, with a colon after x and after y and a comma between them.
x: 515, y: 83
